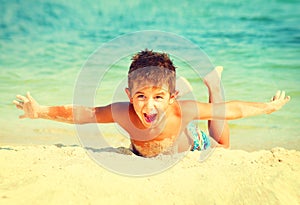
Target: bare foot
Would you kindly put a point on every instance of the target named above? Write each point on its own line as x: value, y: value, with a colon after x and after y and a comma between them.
x: 212, y: 79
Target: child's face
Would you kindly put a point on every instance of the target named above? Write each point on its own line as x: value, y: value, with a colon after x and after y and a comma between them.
x: 150, y: 103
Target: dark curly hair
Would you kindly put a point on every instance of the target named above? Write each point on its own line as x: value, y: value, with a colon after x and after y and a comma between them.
x: 148, y: 58
x: 152, y: 68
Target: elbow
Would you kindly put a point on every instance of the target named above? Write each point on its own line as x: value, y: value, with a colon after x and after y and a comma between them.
x: 83, y: 115
x: 74, y: 122
x: 80, y: 121
x: 234, y: 117
x: 234, y: 113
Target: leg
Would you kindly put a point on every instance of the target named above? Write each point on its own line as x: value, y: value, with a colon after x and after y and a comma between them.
x: 218, y: 129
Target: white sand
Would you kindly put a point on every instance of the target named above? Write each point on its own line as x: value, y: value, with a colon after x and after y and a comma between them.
x: 66, y: 175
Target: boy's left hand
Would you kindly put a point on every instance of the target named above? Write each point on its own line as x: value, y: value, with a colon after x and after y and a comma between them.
x: 279, y: 100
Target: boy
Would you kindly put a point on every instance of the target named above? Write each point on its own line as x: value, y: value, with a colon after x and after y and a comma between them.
x: 154, y: 119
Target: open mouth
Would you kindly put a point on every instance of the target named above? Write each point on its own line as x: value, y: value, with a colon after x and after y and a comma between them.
x: 149, y: 118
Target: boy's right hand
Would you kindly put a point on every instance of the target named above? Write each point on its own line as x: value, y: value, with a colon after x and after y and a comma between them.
x: 30, y: 107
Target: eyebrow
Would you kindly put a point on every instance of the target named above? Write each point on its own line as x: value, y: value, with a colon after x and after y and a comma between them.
x: 139, y: 92
x: 160, y: 93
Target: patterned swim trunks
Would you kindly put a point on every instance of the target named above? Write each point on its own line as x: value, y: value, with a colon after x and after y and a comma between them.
x: 200, y: 139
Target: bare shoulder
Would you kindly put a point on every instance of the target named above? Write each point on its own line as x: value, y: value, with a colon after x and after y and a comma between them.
x: 120, y: 108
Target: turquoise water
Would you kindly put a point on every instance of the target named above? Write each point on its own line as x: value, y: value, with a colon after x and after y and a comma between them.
x: 45, y: 43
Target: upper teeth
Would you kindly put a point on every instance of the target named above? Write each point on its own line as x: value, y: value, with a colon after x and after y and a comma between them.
x: 152, y: 112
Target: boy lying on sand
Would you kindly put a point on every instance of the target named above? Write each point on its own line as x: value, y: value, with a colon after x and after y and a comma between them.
x: 155, y: 120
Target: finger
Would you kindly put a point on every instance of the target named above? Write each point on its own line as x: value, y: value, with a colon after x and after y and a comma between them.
x: 20, y: 97
x: 18, y: 103
x: 287, y: 98
x: 19, y: 107
x: 282, y: 95
x: 29, y: 96
x: 277, y: 95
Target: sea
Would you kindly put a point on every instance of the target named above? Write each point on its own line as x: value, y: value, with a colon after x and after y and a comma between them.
x: 46, y: 45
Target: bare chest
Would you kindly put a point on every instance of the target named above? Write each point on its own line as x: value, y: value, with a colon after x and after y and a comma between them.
x: 164, y: 142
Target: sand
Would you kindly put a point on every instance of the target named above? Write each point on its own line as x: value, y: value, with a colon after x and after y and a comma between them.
x: 51, y: 174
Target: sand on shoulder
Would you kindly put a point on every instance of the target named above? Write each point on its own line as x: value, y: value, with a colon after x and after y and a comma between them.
x: 66, y: 175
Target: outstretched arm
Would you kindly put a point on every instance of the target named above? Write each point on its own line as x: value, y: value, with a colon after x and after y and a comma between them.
x: 239, y: 109
x: 236, y: 109
x: 65, y: 113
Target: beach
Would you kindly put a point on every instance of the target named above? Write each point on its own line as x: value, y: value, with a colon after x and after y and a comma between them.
x: 45, y: 46
x: 53, y: 174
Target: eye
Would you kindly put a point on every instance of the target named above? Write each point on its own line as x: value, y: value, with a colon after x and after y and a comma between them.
x: 159, y: 97
x: 141, y: 97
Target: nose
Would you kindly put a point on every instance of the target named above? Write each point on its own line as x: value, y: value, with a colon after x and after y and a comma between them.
x: 150, y: 105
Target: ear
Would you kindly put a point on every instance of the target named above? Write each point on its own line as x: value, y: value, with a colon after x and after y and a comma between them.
x: 173, y: 98
x: 176, y: 94
x: 128, y: 94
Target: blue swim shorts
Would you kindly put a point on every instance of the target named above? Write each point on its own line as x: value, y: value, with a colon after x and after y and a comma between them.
x: 200, y: 139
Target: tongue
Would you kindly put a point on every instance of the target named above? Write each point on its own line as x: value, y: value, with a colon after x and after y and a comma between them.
x: 150, y: 118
